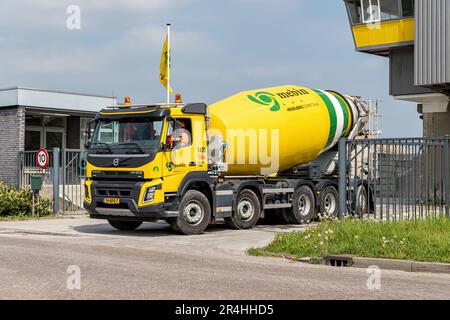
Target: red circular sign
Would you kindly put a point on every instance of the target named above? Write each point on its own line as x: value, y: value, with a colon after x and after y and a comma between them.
x: 42, y: 158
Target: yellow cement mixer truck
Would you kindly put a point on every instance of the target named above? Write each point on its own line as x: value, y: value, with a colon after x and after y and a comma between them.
x: 268, y: 153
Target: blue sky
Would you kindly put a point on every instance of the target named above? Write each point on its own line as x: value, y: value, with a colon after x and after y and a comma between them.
x: 219, y: 47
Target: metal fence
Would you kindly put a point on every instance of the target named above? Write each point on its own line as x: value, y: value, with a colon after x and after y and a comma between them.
x: 28, y: 167
x: 394, y: 179
x: 73, y: 179
x: 63, y: 179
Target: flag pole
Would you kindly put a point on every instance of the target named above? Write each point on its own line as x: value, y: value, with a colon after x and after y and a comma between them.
x: 168, y: 63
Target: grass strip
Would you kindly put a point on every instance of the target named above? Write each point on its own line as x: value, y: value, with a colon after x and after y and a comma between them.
x: 420, y: 240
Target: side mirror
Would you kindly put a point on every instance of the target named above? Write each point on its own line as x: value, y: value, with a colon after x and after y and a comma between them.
x: 87, y: 142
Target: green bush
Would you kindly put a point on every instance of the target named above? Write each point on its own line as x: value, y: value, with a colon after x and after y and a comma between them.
x: 18, y: 202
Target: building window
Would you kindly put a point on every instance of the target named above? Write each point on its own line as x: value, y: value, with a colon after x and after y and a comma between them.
x: 408, y: 8
x: 55, y: 122
x: 354, y: 8
x: 46, y: 131
x: 372, y: 11
x: 32, y: 140
x: 389, y: 9
x: 53, y: 140
x: 33, y: 120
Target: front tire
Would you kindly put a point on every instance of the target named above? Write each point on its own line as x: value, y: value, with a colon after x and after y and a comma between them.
x: 194, y: 215
x: 303, y: 206
x: 247, y: 211
x: 125, y: 225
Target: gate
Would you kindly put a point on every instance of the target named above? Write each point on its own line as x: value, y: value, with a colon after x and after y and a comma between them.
x: 394, y: 179
x: 63, y: 179
x: 73, y: 179
x: 28, y: 167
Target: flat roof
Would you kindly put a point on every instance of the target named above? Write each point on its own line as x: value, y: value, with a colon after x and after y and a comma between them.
x: 52, y: 99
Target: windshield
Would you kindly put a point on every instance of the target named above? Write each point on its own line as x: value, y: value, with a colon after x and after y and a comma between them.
x: 130, y: 133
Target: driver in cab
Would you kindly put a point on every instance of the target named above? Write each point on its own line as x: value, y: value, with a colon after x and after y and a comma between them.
x: 180, y: 137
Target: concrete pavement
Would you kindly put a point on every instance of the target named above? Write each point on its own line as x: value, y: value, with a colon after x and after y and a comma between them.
x: 154, y: 263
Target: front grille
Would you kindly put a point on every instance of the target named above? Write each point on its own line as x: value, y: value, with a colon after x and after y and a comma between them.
x: 122, y: 175
x: 108, y: 192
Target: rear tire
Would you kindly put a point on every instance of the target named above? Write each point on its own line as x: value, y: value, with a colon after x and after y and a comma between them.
x: 303, y: 206
x: 247, y: 211
x: 329, y: 204
x: 283, y: 217
x: 194, y: 215
x: 361, y: 201
x: 125, y: 225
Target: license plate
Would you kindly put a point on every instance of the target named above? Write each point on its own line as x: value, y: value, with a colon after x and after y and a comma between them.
x: 111, y: 201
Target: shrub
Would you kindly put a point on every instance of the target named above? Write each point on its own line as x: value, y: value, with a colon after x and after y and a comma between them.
x: 19, y: 202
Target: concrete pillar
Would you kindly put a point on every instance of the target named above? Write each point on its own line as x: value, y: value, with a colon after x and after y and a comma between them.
x: 436, y: 177
x: 436, y: 124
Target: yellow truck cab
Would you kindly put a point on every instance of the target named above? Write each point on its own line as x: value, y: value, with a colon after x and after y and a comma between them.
x: 174, y: 162
x: 138, y: 169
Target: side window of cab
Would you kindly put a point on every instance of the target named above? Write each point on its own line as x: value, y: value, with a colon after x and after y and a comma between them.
x: 179, y: 133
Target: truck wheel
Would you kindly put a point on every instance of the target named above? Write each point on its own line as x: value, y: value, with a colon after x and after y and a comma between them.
x: 195, y: 213
x: 173, y: 224
x: 247, y: 211
x: 125, y: 225
x: 283, y: 217
x: 303, y: 206
x: 360, y: 201
x: 329, y: 201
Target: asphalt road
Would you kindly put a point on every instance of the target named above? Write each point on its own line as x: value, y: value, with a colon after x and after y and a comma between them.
x: 154, y: 263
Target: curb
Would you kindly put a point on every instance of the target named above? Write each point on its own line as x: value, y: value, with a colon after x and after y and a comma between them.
x: 402, y: 265
x: 387, y: 264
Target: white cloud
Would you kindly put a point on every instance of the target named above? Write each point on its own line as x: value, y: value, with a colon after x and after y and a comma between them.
x: 45, y: 63
x: 139, y: 45
x: 45, y: 14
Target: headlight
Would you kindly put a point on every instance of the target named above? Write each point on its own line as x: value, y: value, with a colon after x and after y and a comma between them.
x: 149, y: 195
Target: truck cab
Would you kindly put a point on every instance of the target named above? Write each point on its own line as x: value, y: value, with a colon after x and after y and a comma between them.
x: 140, y: 160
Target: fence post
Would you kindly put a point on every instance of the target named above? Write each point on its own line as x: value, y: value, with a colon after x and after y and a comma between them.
x: 446, y: 174
x: 55, y: 180
x: 342, y: 157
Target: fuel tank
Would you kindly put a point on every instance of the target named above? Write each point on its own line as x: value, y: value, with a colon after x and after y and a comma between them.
x: 275, y: 129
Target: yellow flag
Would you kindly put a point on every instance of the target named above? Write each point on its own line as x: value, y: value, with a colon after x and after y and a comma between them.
x: 164, y: 72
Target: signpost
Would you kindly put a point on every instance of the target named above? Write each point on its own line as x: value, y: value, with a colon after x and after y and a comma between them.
x: 42, y: 160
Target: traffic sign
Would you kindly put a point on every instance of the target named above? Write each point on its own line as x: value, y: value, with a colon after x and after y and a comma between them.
x: 42, y: 158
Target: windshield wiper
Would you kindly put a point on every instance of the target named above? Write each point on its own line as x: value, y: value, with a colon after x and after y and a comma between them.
x: 107, y: 147
x: 133, y: 144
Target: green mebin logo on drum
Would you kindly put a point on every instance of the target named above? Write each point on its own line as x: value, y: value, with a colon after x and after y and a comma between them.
x: 265, y: 99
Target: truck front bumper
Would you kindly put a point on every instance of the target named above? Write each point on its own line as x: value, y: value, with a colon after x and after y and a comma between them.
x: 130, y: 211
x: 128, y: 208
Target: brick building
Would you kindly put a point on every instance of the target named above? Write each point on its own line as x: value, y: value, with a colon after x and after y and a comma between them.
x: 32, y: 118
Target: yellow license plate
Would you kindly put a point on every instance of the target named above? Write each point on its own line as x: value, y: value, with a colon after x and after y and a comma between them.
x: 111, y: 201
